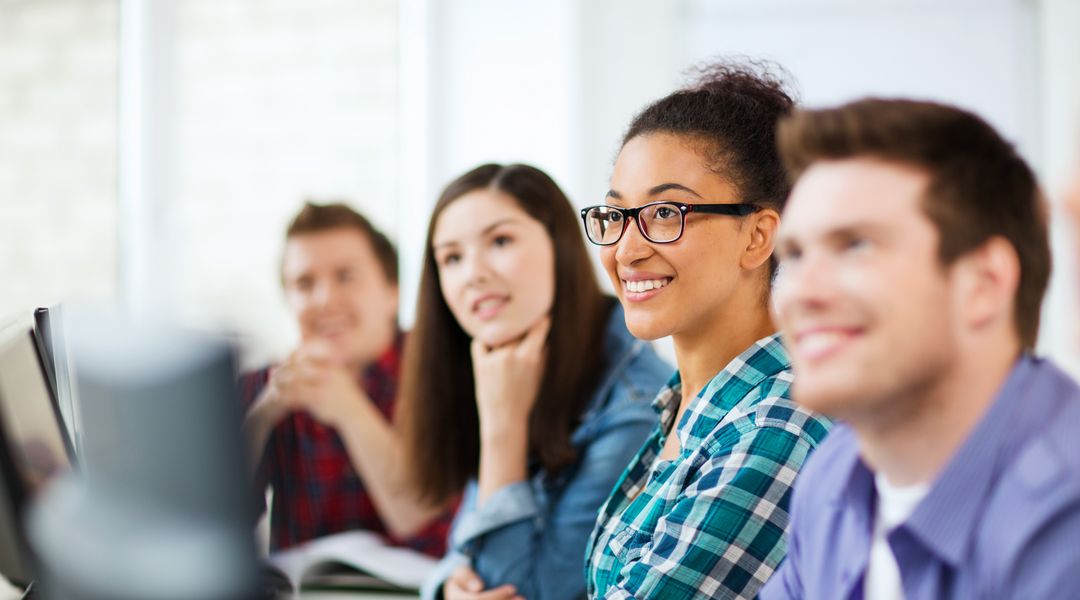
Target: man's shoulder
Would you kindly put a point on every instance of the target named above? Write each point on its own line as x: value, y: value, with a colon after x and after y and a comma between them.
x: 1049, y: 457
x: 1032, y: 518
x: 825, y: 472
x: 1045, y: 472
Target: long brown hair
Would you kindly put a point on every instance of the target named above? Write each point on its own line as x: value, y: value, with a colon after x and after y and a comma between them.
x: 438, y: 399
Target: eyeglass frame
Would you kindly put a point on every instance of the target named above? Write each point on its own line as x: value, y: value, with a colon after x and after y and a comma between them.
x: 739, y: 209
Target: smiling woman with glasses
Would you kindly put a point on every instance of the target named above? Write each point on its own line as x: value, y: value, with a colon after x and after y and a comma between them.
x: 702, y: 508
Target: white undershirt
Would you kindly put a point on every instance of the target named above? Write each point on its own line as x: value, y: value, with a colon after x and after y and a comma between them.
x: 894, y: 506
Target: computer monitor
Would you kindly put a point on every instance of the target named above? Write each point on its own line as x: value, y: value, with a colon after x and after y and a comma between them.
x: 53, y: 349
x: 161, y: 505
x: 33, y: 447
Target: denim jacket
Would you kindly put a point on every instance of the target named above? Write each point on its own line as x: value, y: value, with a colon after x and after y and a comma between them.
x: 532, y: 534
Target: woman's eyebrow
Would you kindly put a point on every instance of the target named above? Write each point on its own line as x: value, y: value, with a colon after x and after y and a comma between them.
x: 656, y: 190
x: 664, y: 187
x: 485, y: 231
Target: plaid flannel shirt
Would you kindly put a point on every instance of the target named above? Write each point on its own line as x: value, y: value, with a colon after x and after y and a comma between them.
x: 711, y: 523
x: 316, y: 488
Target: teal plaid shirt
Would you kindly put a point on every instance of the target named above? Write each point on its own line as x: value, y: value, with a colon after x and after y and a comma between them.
x: 711, y: 523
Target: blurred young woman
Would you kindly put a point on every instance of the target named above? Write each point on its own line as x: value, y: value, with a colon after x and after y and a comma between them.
x: 687, y: 233
x: 521, y: 385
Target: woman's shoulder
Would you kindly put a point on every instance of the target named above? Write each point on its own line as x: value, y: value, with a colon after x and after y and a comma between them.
x: 751, y: 393
x: 633, y: 374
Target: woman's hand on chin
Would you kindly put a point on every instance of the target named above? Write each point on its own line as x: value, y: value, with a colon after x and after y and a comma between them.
x: 507, y: 379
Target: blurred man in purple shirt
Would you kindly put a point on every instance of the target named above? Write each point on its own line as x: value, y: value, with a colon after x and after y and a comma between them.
x: 914, y: 260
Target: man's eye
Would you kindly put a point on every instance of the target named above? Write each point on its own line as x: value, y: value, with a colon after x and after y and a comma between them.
x: 855, y: 243
x: 786, y: 255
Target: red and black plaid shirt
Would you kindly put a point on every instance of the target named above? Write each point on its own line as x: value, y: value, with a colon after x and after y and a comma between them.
x: 316, y: 489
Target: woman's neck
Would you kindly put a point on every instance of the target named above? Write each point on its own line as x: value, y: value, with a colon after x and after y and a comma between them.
x: 704, y: 350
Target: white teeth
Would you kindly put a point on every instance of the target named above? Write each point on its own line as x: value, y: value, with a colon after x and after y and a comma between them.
x: 814, y: 343
x: 489, y: 303
x: 645, y: 285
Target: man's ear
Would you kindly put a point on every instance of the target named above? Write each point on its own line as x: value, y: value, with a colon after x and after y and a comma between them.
x: 763, y: 226
x: 988, y: 278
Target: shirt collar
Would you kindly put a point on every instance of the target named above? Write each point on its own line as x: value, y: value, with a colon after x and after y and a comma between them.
x: 946, y: 519
x: 667, y: 402
x: 764, y: 358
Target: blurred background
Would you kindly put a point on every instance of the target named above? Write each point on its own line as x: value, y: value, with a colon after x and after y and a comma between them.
x: 152, y: 152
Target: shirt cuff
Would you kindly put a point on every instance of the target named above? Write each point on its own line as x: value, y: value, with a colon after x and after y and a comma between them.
x: 510, y: 504
x: 433, y: 583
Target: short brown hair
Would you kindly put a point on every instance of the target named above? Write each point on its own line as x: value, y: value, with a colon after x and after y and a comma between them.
x: 979, y: 186
x: 317, y: 218
x: 438, y: 394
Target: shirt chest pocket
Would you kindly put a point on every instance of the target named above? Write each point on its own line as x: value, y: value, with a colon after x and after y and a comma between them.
x: 629, y: 544
x: 662, y: 492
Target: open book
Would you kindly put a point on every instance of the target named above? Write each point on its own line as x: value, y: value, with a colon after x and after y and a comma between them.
x: 353, y: 560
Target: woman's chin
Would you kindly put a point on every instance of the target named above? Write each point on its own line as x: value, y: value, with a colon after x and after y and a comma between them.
x: 646, y: 328
x: 500, y: 335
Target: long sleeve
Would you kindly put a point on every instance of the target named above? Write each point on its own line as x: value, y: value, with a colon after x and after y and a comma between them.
x: 535, y: 540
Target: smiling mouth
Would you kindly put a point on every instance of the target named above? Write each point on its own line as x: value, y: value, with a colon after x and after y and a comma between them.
x: 333, y: 327
x: 645, y: 285
x: 819, y: 344
x: 488, y: 308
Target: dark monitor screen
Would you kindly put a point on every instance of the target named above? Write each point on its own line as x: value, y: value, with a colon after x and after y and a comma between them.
x: 33, y: 448
x: 28, y: 415
x: 52, y: 348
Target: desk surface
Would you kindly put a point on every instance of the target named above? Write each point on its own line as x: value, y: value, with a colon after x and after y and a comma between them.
x: 10, y: 592
x: 357, y: 595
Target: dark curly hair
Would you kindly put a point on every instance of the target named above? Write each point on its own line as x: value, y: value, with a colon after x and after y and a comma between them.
x: 730, y: 110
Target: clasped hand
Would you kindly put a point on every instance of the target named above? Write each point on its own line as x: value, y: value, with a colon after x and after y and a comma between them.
x: 314, y: 380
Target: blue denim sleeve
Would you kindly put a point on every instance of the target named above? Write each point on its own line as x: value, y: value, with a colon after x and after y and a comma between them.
x: 535, y: 540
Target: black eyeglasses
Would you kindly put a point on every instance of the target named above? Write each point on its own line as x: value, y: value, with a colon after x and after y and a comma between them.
x: 659, y: 222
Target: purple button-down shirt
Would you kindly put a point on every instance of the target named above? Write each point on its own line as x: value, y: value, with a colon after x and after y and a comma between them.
x: 1002, y: 520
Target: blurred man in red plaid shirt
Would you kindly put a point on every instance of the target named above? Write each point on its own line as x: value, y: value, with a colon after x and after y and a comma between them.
x: 319, y: 424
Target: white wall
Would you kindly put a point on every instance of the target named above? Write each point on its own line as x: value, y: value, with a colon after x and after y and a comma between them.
x: 57, y: 152
x: 276, y: 101
x: 382, y: 102
x: 1013, y: 61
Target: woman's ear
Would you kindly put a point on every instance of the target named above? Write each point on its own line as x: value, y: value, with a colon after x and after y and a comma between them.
x: 762, y: 226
